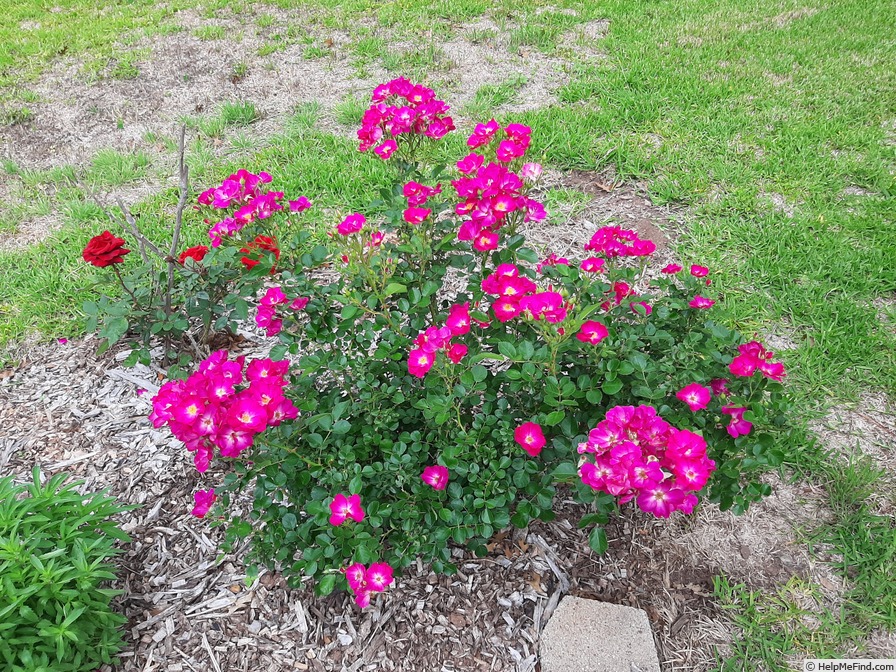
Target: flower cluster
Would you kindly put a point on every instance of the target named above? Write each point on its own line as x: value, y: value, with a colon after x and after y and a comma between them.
x: 401, y: 107
x: 639, y: 455
x: 490, y: 196
x: 435, y: 338
x: 511, y: 288
x: 244, y: 190
x: 267, y: 316
x: 417, y: 195
x: 753, y: 356
x: 238, y: 189
x: 104, y: 250
x: 513, y: 146
x: 613, y: 241
x: 255, y: 250
x: 207, y: 411
x: 366, y: 580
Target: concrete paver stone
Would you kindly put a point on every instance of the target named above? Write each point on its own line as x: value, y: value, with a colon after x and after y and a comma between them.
x: 590, y: 636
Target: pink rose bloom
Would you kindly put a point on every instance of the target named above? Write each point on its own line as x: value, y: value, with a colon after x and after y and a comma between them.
x: 457, y: 352
x: 671, y: 268
x: 470, y: 163
x: 459, y: 319
x: 203, y: 502
x: 592, y: 265
x: 701, y: 303
x: 661, y: 499
x: 744, y: 365
x: 695, y: 396
x: 592, y: 332
x: 486, y: 241
x: 351, y: 224
x: 530, y: 438
x: 274, y: 297
x: 378, y: 576
x: 385, y: 150
x: 699, y: 271
x: 719, y: 386
x: 420, y: 362
x: 343, y: 508
x: 300, y: 204
x: 415, y: 216
x: 738, y: 426
x: 531, y: 171
x: 436, y: 476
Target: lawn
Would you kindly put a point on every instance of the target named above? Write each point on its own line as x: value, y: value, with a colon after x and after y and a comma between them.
x: 771, y: 128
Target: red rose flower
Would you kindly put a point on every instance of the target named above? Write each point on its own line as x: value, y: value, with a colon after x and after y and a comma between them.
x: 195, y: 253
x: 252, y: 250
x: 104, y: 250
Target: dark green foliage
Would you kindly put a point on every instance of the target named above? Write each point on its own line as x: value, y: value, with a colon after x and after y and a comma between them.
x: 54, y: 547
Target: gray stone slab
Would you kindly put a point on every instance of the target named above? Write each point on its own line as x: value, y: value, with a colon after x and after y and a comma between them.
x: 590, y: 636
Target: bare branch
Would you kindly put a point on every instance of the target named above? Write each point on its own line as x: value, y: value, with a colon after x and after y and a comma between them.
x: 178, y: 217
x: 126, y: 221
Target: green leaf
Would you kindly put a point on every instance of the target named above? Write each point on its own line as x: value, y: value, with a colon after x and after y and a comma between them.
x: 594, y: 396
x: 289, y: 521
x: 520, y: 519
x: 354, y: 485
x: 479, y: 372
x: 507, y: 349
x: 115, y: 328
x: 342, y: 427
x: 554, y: 418
x: 394, y: 288
x: 597, y: 540
x: 565, y: 471
x: 611, y: 387
x: 326, y: 585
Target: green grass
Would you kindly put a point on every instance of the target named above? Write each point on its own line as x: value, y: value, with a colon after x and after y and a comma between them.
x: 209, y: 33
x: 15, y: 114
x: 241, y: 113
x: 350, y: 110
x: 542, y: 37
x: 113, y: 168
x: 229, y: 114
x: 490, y: 97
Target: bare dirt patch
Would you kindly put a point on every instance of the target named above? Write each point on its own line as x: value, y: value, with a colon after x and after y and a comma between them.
x: 182, y: 75
x: 781, y: 20
x: 609, y: 203
x: 868, y: 428
x: 778, y: 203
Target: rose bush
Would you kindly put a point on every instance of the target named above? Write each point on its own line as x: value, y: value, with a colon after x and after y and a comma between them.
x: 433, y: 379
x: 192, y: 297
